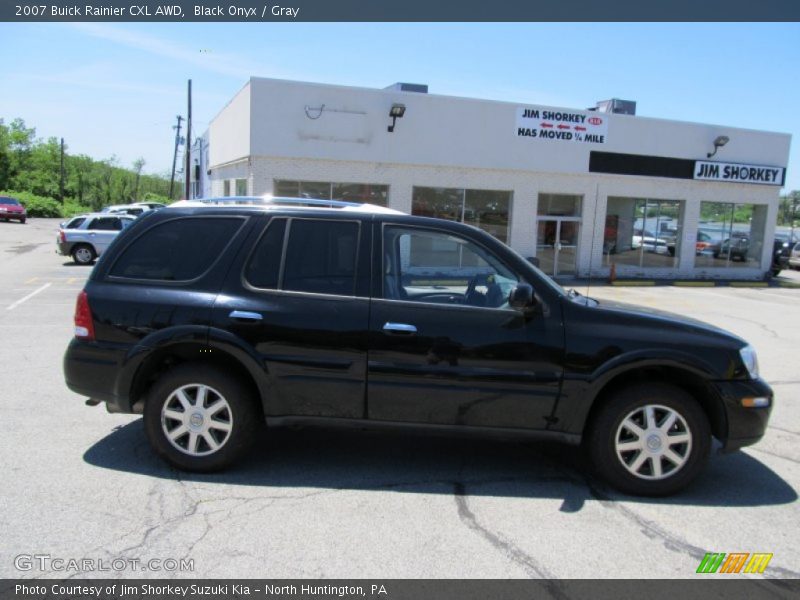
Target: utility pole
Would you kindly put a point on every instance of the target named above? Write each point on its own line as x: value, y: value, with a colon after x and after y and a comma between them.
x: 189, y: 141
x: 61, y: 184
x: 177, y: 129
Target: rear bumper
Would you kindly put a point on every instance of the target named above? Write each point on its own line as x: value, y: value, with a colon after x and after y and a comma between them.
x: 63, y: 248
x: 91, y: 369
x: 745, y: 426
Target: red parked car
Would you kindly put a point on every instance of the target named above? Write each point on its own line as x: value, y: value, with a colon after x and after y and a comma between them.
x: 11, y: 209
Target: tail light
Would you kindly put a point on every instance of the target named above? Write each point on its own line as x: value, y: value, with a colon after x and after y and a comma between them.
x: 84, y: 326
x: 62, y: 236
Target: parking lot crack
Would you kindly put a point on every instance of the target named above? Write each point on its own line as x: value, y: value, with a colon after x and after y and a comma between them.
x: 508, y: 548
x: 671, y: 542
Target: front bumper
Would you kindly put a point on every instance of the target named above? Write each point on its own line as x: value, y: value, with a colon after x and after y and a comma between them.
x: 14, y: 216
x: 745, y: 426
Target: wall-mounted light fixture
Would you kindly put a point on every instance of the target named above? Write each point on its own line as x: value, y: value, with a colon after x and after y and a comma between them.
x: 718, y: 143
x: 396, y: 112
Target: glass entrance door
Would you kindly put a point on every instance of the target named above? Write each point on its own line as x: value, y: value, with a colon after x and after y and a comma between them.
x: 557, y: 245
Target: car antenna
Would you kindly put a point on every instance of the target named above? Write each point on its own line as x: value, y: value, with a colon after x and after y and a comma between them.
x: 594, y: 232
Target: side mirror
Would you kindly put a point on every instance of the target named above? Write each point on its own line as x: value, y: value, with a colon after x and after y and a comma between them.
x: 521, y: 297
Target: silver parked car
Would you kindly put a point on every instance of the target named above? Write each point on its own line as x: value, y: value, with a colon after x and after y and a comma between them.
x: 794, y: 257
x: 86, y: 237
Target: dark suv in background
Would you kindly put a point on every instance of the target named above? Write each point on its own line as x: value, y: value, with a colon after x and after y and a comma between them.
x: 210, y: 320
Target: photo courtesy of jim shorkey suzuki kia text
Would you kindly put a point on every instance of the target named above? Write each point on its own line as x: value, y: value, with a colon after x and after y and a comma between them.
x: 178, y: 590
x: 163, y: 11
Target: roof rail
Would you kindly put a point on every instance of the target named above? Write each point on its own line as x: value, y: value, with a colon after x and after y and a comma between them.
x: 285, y: 201
x: 311, y: 202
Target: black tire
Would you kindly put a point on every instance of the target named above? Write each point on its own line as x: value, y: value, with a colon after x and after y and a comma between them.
x: 22, y: 221
x: 606, y: 429
x: 83, y: 254
x: 243, y: 414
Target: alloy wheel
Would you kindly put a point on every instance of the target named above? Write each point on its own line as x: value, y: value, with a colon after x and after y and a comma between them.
x: 653, y: 442
x: 197, y: 419
x: 83, y: 255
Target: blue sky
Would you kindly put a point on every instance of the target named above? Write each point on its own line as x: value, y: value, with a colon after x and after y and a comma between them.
x: 115, y: 89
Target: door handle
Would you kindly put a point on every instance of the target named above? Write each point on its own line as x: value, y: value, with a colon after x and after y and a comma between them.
x: 245, y: 315
x: 399, y: 328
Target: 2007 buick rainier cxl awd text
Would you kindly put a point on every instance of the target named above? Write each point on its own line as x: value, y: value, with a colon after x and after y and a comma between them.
x: 212, y: 319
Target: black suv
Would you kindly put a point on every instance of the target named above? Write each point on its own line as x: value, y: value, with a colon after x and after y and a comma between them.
x: 210, y: 320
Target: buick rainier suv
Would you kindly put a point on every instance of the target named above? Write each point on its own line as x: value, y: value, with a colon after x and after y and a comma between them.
x: 213, y: 321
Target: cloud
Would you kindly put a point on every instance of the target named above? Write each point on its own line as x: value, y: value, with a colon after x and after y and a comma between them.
x: 223, y: 64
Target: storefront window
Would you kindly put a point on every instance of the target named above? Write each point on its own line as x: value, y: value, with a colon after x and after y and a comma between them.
x: 486, y: 209
x: 226, y: 187
x: 361, y: 192
x: 642, y: 233
x: 733, y: 235
x: 559, y: 205
x: 370, y: 193
x: 241, y: 187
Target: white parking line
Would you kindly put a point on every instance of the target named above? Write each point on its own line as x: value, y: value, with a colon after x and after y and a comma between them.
x: 29, y: 296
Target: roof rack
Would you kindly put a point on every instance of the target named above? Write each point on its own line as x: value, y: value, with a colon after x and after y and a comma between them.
x: 268, y: 201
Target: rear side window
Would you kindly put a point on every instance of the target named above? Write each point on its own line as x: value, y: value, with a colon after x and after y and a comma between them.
x: 75, y: 223
x: 106, y: 224
x: 176, y: 250
x: 321, y: 257
x: 265, y: 263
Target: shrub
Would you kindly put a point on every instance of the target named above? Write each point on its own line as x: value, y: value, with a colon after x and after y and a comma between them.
x: 43, y: 206
x: 37, y: 206
x: 72, y: 208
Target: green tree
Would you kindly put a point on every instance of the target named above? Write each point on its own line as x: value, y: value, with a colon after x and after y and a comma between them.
x: 138, y: 165
x: 32, y: 166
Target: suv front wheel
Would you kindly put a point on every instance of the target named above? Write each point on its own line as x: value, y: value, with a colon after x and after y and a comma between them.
x: 200, y: 419
x: 650, y: 439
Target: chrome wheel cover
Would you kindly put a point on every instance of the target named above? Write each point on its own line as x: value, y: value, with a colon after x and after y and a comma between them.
x: 197, y: 419
x: 653, y: 442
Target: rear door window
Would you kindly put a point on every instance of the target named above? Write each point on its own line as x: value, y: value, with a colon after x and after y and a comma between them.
x: 176, y: 250
x: 263, y: 268
x: 321, y: 257
x: 106, y: 224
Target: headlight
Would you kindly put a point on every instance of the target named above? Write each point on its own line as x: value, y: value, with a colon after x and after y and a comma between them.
x: 750, y: 361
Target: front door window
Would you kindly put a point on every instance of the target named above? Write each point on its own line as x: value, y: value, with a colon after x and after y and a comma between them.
x: 434, y: 266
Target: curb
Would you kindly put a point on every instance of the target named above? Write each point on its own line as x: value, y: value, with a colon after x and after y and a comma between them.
x: 701, y: 284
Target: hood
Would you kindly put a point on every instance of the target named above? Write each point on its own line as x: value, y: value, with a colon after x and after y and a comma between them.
x: 667, y: 319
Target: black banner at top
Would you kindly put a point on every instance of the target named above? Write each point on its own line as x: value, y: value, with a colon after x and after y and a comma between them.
x: 407, y: 10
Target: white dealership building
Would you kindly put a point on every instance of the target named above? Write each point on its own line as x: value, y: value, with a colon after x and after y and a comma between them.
x: 582, y: 190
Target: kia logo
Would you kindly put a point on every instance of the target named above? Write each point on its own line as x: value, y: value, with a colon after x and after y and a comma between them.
x: 595, y: 121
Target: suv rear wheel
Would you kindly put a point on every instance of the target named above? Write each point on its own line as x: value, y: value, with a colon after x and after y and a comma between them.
x: 650, y: 439
x: 200, y: 419
x: 83, y: 254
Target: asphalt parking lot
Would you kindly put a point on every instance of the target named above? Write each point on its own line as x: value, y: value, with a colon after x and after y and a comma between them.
x: 80, y: 483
